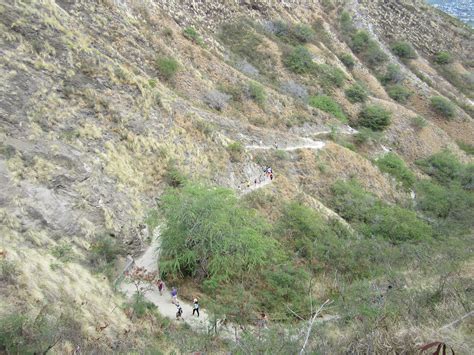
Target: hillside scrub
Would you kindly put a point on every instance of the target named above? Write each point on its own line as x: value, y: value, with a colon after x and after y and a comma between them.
x: 443, y: 106
x: 291, y: 33
x: 167, y: 67
x: 347, y: 60
x: 299, y: 60
x: 372, y: 217
x: 443, y: 57
x: 403, y: 50
x: 329, y: 105
x: 399, y: 93
x: 392, y: 164
x: 374, y: 117
x: 356, y: 93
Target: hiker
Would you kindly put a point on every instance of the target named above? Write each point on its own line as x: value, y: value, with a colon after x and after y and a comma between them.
x: 262, y: 322
x: 179, y: 311
x: 248, y: 184
x: 161, y: 286
x: 255, y: 181
x: 174, y: 296
x: 196, y: 307
x: 271, y: 176
x: 276, y: 145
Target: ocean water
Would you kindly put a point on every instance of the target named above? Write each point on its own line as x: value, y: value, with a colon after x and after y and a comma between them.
x: 462, y: 9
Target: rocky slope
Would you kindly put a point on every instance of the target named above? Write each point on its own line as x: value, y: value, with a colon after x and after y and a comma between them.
x: 92, y: 127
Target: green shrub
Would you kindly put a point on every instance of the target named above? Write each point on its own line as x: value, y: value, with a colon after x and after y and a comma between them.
x: 140, y: 305
x: 468, y: 148
x: 347, y: 60
x: 328, y: 104
x: 444, y: 167
x: 63, y: 252
x: 392, y: 75
x: 208, y: 235
x: 281, y: 154
x: 299, y: 60
x: 374, y: 117
x: 392, y: 164
x: 403, y: 50
x: 236, y: 150
x: 174, y: 177
x: 257, y: 93
x: 366, y: 135
x: 346, y: 22
x: 356, y: 93
x: 167, y: 67
x: 152, y: 83
x: 303, y: 33
x: 418, y: 122
x: 374, y: 55
x: 443, y: 106
x: 372, y: 217
x: 8, y: 271
x: 104, y: 250
x: 330, y: 76
x: 399, y: 93
x: 443, y: 58
x: 360, y: 41
x: 191, y: 34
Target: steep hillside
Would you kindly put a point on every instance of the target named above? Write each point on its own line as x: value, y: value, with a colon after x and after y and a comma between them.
x: 363, y: 109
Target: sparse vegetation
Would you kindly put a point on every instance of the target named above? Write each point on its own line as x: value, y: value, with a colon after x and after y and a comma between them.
x: 216, y: 100
x: 330, y: 76
x: 399, y: 93
x: 468, y: 148
x: 374, y: 117
x: 328, y: 104
x: 366, y: 135
x: 167, y: 67
x: 356, y: 93
x: 443, y: 106
x: 294, y: 89
x: 403, y: 50
x: 392, y: 75
x: 191, y: 34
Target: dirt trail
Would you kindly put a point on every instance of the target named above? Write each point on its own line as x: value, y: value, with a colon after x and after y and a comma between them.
x: 308, y: 144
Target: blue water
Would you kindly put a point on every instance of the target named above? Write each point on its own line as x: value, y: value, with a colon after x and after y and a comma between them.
x: 462, y: 9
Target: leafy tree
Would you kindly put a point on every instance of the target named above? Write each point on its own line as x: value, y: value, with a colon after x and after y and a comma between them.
x: 209, y: 236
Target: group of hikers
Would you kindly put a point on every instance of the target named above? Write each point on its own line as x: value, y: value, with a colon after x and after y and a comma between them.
x: 179, y: 309
x: 267, y: 174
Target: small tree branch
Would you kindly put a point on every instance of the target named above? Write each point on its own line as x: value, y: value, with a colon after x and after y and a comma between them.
x: 457, y: 321
x: 310, y: 325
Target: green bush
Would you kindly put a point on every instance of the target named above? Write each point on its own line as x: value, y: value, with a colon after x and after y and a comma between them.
x: 360, y: 41
x: 236, y: 150
x: 392, y: 164
x: 328, y: 104
x: 330, y: 76
x: 174, y: 177
x: 403, y: 50
x: 399, y: 93
x: 372, y: 217
x: 191, y: 34
x: 468, y: 148
x: 257, y: 93
x: 356, y: 93
x: 140, y: 305
x: 105, y: 249
x: 347, y: 60
x: 392, y: 75
x: 208, y: 235
x: 167, y: 67
x: 374, y: 117
x: 366, y: 135
x: 444, y: 167
x: 8, y: 271
x: 443, y: 58
x: 418, y: 122
x: 346, y: 22
x: 299, y: 60
x: 374, y: 55
x: 63, y: 252
x: 443, y: 106
x: 303, y: 33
